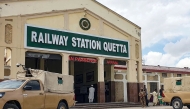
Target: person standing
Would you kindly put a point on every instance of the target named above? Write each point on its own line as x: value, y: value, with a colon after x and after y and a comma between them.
x: 142, y: 97
x: 146, y: 95
x: 91, y: 94
x: 155, y: 97
x: 161, y: 93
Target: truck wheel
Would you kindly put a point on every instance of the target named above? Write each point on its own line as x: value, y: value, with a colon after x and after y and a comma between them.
x: 62, y: 106
x: 188, y: 106
x: 177, y: 103
x: 10, y: 106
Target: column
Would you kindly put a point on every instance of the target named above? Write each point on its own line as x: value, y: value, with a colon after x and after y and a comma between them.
x: 2, y: 53
x: 101, y: 84
x: 140, y: 77
x: 172, y: 75
x: 65, y: 63
x: 72, y: 68
x: 66, y: 21
x: 145, y: 77
x: 17, y: 56
x: 14, y: 61
x: 158, y: 82
x: 132, y: 85
x: 125, y: 87
x: 22, y: 56
x: 112, y: 84
x: 140, y: 73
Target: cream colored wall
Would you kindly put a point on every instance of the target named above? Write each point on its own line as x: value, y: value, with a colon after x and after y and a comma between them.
x: 111, y: 32
x: 44, y: 6
x: 54, y: 21
x: 17, y: 51
x: 154, y: 78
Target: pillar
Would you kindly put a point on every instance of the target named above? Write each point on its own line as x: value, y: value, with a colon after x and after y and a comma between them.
x: 132, y: 84
x: 65, y: 64
x: 158, y: 82
x: 101, y: 83
x: 17, y: 56
x: 2, y: 53
x: 72, y: 68
x: 14, y: 61
x: 145, y: 77
x: 140, y: 72
x: 112, y: 84
x: 172, y: 75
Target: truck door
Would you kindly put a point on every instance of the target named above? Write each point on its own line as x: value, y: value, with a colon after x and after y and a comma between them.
x: 33, y: 95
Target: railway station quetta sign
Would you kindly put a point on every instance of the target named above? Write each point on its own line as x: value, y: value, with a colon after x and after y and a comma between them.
x: 64, y: 41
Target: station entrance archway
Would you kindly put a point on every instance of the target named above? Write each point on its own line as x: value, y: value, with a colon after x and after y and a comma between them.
x: 44, y: 61
x: 85, y: 73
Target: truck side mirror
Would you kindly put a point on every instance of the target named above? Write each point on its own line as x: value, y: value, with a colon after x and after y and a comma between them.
x: 27, y: 88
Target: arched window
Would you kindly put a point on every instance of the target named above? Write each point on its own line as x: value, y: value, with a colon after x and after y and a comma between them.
x: 8, y: 33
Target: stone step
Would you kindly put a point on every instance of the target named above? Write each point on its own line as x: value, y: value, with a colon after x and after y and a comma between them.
x: 108, y: 103
x: 104, y: 105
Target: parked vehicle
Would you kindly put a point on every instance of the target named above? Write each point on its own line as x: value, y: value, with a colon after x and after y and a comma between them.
x: 36, y: 93
x: 177, y: 92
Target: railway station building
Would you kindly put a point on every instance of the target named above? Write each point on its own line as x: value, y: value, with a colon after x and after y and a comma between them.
x: 82, y: 38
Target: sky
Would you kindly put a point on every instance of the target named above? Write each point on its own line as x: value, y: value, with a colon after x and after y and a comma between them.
x: 165, y: 28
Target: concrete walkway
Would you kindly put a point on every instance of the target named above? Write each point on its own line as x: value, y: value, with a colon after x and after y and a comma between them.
x: 151, y: 107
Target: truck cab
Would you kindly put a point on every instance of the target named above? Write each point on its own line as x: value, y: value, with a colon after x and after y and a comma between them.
x: 37, y: 89
x: 177, y: 92
x: 29, y: 94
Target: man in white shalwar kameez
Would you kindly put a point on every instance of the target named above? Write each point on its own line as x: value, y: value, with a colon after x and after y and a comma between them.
x: 91, y: 94
x: 155, y: 97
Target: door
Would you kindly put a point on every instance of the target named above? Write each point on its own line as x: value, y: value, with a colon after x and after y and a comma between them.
x: 124, y: 81
x: 153, y: 86
x: 33, y: 98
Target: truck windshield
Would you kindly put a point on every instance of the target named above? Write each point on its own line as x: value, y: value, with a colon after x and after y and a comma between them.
x: 11, y: 84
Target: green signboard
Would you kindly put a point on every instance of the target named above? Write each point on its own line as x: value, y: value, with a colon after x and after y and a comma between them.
x: 64, y: 41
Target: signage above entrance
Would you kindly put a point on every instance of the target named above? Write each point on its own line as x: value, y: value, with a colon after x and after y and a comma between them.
x: 114, y: 62
x: 43, y: 55
x: 82, y: 59
x: 64, y: 41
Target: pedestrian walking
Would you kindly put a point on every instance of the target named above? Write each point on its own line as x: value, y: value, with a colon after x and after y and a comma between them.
x: 142, y: 97
x: 161, y: 93
x: 155, y: 97
x: 91, y: 94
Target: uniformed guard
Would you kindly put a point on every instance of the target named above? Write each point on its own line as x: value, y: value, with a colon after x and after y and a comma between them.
x: 142, y: 95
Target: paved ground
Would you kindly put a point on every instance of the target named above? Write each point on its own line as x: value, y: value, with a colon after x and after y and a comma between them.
x: 157, y: 107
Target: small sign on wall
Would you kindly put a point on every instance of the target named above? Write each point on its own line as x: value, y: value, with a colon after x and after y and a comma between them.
x: 114, y: 62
